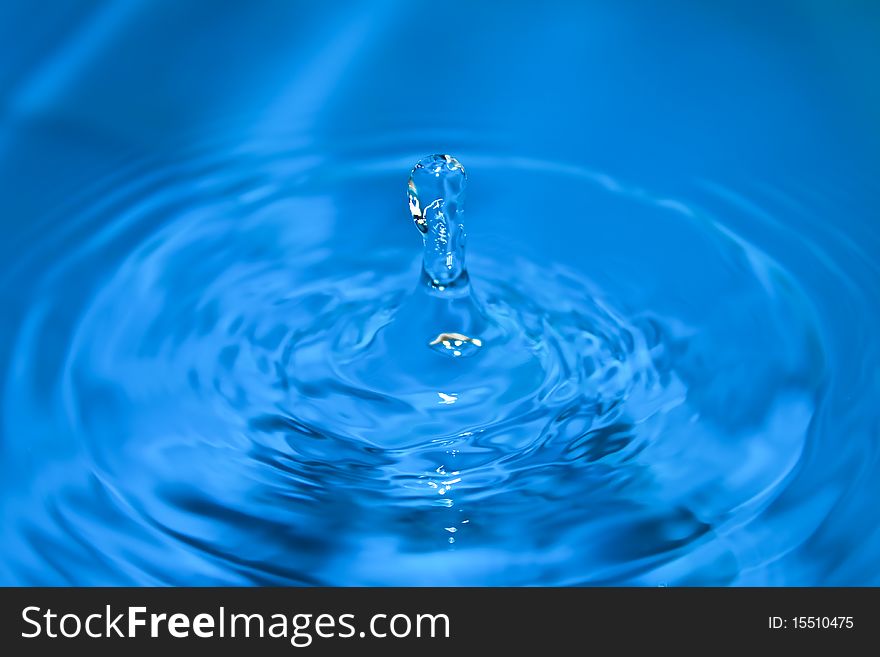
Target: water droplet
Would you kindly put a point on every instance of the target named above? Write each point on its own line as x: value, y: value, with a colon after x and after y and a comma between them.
x: 436, y: 199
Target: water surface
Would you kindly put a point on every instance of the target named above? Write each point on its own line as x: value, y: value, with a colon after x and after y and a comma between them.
x: 217, y: 360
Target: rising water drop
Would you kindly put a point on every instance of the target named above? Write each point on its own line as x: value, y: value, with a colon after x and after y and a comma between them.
x: 436, y: 201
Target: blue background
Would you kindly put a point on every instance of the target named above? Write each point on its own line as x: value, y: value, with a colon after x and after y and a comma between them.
x: 778, y: 101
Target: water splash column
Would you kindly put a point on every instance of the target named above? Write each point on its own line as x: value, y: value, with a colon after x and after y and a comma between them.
x: 436, y: 201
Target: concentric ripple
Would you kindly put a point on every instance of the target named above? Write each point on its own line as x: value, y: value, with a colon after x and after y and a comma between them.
x: 232, y: 397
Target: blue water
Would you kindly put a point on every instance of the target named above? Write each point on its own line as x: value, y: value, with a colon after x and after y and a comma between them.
x: 643, y: 348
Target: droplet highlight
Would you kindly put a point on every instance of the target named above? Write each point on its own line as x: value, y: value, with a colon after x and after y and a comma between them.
x: 456, y: 344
